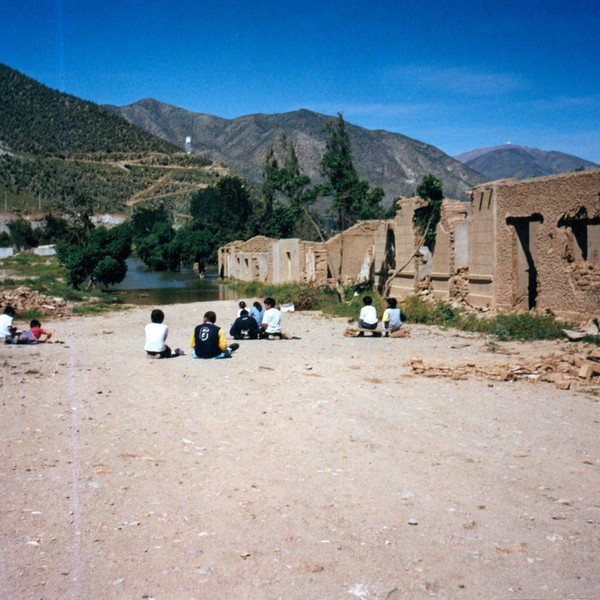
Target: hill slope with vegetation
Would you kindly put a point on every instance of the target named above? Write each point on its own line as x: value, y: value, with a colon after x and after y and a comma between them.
x: 58, y: 153
x: 39, y: 120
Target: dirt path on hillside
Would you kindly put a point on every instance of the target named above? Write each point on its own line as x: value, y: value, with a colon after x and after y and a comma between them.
x: 321, y: 467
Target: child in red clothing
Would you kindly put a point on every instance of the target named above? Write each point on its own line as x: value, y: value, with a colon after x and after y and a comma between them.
x: 34, y: 334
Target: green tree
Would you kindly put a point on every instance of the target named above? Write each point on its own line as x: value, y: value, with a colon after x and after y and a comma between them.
x: 158, y: 248
x: 224, y: 212
x: 352, y: 198
x: 288, y: 180
x: 100, y: 260
x: 56, y: 229
x: 194, y: 246
x: 22, y: 234
x: 143, y: 219
x: 226, y: 207
x: 427, y: 217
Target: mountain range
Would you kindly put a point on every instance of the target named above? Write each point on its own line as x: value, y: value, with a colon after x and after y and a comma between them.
x: 520, y: 162
x: 391, y: 161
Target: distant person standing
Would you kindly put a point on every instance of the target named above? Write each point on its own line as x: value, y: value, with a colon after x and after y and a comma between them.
x: 271, y: 325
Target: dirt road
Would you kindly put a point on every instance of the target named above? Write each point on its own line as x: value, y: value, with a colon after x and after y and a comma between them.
x: 321, y: 467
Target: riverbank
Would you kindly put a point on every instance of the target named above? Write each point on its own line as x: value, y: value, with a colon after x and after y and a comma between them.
x: 320, y: 467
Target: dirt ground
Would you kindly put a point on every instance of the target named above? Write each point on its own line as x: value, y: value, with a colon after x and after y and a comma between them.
x: 323, y: 467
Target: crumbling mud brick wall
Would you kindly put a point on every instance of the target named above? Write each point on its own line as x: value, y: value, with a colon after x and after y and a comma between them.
x: 481, y: 248
x: 539, y: 240
x: 247, y: 261
x: 405, y: 280
x: 289, y: 261
x: 442, y: 275
x: 315, y: 262
x: 417, y: 269
x: 519, y: 244
x: 355, y: 253
x: 273, y: 261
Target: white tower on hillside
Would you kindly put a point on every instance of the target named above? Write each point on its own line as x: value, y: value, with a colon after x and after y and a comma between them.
x: 188, y: 144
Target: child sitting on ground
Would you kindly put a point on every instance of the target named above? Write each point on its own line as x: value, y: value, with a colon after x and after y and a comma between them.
x: 392, y: 317
x: 244, y: 326
x: 271, y: 325
x: 7, y: 330
x: 209, y: 341
x: 34, y: 335
x: 367, y: 318
x: 156, y: 336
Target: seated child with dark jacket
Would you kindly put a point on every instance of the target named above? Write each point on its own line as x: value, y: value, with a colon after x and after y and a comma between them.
x: 209, y: 341
x: 244, y: 326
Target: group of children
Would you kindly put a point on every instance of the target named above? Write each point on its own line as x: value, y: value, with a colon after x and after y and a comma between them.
x: 392, y: 316
x: 258, y: 323
x: 208, y: 339
x: 34, y: 335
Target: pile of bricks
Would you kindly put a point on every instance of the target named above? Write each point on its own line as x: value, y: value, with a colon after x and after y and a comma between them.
x: 24, y: 299
x: 590, y: 365
x: 562, y: 370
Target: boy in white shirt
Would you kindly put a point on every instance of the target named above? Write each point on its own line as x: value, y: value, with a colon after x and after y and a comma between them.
x: 271, y: 325
x: 156, y: 336
x: 368, y: 315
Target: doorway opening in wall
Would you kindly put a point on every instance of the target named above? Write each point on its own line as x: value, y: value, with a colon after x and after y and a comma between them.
x: 389, y: 261
x: 524, y: 269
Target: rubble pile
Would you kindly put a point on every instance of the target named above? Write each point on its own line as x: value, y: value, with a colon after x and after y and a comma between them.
x: 560, y: 370
x: 24, y: 299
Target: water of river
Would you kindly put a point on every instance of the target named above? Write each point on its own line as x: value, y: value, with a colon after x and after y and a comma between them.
x: 145, y: 287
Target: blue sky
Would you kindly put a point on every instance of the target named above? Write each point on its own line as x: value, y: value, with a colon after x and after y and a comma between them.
x: 459, y: 75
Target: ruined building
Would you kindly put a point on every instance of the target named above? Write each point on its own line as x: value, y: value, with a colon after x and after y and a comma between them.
x: 516, y: 245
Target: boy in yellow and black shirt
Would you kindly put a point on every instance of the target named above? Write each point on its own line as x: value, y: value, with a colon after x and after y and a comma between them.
x: 209, y: 341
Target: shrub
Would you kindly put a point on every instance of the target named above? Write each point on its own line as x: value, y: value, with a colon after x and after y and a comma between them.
x: 527, y: 326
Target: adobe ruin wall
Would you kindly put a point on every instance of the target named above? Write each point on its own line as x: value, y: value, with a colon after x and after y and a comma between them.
x: 546, y: 242
x: 516, y: 245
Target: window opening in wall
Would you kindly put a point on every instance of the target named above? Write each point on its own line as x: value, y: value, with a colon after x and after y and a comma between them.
x: 583, y: 237
x: 288, y: 256
x: 524, y: 270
